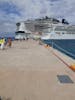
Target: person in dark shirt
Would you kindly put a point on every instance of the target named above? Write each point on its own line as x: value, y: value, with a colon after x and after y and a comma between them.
x: 9, y: 42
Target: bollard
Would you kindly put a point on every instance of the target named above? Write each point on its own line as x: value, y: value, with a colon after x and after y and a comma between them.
x: 47, y: 46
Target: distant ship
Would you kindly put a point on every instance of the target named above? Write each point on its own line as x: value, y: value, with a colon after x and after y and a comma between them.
x: 60, y: 31
x: 31, y: 27
x: 59, y: 34
x: 62, y: 37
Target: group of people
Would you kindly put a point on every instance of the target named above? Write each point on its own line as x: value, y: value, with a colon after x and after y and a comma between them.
x: 4, y: 43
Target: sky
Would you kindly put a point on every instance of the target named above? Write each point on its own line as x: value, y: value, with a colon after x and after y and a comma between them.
x: 13, y: 11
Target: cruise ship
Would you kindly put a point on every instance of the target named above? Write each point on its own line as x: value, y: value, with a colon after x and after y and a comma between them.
x: 61, y: 37
x: 34, y: 27
x: 61, y: 30
x: 58, y: 34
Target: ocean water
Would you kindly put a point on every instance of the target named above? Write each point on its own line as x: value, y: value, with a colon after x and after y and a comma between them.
x: 6, y: 35
x: 65, y: 46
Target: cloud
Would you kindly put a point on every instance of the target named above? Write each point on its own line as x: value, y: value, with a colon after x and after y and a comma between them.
x: 12, y: 11
x: 9, y: 7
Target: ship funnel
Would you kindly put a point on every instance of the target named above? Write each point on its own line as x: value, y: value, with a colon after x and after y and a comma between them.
x: 64, y: 21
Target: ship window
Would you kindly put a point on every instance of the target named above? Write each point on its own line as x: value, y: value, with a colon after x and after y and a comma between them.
x: 57, y: 32
x: 62, y: 32
x: 60, y: 28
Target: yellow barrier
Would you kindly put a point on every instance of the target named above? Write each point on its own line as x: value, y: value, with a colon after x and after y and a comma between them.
x: 73, y: 67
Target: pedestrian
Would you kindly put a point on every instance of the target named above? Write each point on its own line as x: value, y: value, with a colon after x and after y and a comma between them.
x: 2, y: 41
x: 9, y: 42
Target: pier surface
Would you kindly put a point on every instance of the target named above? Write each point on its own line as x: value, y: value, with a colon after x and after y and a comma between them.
x: 29, y: 71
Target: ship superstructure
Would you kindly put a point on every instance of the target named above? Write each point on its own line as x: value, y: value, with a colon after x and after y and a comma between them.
x: 43, y: 26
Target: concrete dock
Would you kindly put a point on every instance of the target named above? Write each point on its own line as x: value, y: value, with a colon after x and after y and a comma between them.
x: 28, y: 71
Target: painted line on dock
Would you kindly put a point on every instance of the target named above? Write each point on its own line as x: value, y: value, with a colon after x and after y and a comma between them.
x: 47, y: 46
x: 61, y: 59
x: 72, y: 67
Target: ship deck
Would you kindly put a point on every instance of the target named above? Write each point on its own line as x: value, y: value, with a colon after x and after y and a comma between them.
x: 29, y: 71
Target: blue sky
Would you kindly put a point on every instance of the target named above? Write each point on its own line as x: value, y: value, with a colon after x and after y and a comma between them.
x: 12, y: 11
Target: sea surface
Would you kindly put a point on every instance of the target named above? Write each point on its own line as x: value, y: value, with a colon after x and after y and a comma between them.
x: 7, y: 34
x: 65, y: 46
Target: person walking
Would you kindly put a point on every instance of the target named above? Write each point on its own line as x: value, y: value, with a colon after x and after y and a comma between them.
x: 9, y: 42
x: 2, y: 42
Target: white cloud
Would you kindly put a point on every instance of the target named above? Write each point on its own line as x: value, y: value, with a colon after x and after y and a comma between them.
x: 38, y: 8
